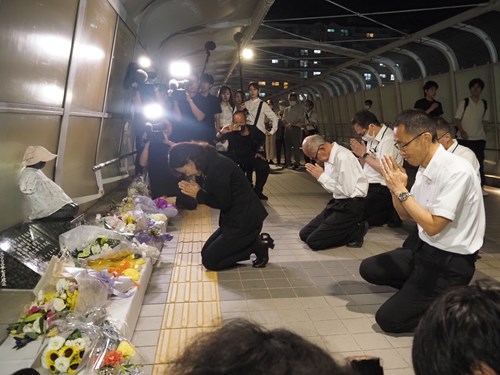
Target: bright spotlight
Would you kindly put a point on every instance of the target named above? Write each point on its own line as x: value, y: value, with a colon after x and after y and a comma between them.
x: 247, y: 53
x: 180, y: 69
x: 153, y: 111
x: 144, y: 62
x: 5, y: 245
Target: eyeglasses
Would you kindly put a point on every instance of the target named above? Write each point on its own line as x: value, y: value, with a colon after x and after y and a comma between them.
x: 443, y: 135
x: 317, y: 151
x: 402, y: 147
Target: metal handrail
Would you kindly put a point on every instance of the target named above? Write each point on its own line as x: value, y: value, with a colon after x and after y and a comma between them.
x: 106, y: 163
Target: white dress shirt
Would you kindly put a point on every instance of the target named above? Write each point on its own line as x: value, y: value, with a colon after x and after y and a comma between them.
x: 252, y: 106
x: 44, y: 195
x: 472, y: 118
x: 383, y: 144
x: 449, y: 188
x: 343, y: 176
x: 466, y: 153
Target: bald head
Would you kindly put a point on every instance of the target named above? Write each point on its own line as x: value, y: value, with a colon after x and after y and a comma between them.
x: 239, y: 118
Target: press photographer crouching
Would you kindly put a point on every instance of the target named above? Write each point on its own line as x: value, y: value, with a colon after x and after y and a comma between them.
x: 246, y: 148
x: 154, y: 159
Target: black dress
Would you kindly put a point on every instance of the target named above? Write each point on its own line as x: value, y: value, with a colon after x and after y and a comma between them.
x: 242, y: 214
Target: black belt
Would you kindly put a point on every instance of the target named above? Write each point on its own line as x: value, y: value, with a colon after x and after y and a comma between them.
x: 350, y: 199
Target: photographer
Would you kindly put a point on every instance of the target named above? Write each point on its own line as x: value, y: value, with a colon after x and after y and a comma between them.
x: 247, y: 150
x: 154, y: 157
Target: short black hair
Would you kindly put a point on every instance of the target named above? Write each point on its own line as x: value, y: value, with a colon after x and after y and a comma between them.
x: 255, y: 85
x: 365, y: 118
x: 205, y: 77
x: 476, y: 81
x: 242, y: 347
x: 460, y: 332
x: 309, y: 102
x: 430, y: 84
x: 417, y: 121
x: 198, y: 152
x: 369, y: 102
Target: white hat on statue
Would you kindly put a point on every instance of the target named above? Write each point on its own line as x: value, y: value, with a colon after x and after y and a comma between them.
x: 36, y: 154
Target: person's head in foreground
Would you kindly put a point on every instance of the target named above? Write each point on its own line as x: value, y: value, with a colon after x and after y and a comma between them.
x: 190, y: 158
x: 460, y: 333
x: 244, y: 348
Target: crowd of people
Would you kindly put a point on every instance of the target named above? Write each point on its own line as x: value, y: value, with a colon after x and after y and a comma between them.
x: 366, y: 178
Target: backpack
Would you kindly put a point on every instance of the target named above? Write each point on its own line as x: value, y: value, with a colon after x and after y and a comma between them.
x: 466, y: 103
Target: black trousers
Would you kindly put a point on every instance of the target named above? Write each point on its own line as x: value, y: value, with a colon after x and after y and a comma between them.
x: 421, y: 274
x: 378, y: 205
x: 280, y: 146
x: 219, y: 253
x: 336, y: 225
x: 478, y: 148
x: 261, y: 169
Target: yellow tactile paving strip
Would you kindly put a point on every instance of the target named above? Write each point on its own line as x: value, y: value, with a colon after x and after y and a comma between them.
x: 193, y: 299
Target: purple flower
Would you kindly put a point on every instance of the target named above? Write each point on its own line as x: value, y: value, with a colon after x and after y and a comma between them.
x: 161, y: 203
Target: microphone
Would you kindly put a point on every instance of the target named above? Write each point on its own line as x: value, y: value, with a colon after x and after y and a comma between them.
x: 210, y: 46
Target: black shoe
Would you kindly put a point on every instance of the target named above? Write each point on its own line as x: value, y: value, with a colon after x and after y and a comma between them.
x: 262, y: 197
x: 358, y: 239
x: 261, y: 250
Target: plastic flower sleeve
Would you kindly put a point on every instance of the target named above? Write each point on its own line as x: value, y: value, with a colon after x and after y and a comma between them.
x: 66, y: 350
x: 114, y: 354
x: 86, y: 240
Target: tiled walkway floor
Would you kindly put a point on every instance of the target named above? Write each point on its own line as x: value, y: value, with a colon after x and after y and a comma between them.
x: 319, y: 295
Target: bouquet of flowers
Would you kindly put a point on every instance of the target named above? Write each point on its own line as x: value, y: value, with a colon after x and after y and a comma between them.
x: 64, y: 355
x: 48, y: 305
x: 114, y: 355
x: 100, y: 245
x: 138, y: 187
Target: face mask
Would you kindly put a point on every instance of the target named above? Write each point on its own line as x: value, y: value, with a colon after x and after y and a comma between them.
x: 367, y: 137
x: 367, y: 107
x: 292, y: 102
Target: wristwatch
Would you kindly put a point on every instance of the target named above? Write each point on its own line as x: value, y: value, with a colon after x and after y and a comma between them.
x: 404, y: 196
x: 365, y: 155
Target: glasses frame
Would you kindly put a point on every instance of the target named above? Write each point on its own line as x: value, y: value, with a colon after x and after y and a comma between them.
x: 317, y: 151
x: 403, y: 147
x: 444, y: 135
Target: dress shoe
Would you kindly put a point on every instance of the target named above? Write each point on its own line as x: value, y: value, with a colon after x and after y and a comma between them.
x: 262, y: 197
x: 261, y: 250
x: 357, y: 240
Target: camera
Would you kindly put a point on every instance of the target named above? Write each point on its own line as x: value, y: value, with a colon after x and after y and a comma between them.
x: 155, y: 133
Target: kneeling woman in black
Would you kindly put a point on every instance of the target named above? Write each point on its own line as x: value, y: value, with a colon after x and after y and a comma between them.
x: 225, y: 187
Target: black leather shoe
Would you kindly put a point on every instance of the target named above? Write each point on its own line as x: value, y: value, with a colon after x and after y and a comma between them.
x: 261, y: 250
x: 358, y: 239
x: 261, y: 196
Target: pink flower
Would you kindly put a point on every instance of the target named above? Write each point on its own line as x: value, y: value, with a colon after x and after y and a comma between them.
x: 33, y: 309
x: 112, y: 358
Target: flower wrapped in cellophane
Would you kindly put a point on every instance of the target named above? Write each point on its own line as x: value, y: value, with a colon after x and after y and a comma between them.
x: 114, y: 355
x: 64, y: 355
x: 52, y: 301
x: 138, y: 186
x: 157, y: 206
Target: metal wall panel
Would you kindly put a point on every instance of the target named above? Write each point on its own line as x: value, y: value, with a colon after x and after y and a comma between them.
x: 109, y: 145
x: 93, y: 52
x: 389, y: 104
x: 78, y: 178
x: 19, y: 131
x: 35, y: 40
x: 411, y: 91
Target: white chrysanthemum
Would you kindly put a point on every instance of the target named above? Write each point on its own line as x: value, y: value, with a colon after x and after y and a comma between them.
x: 80, y: 343
x: 61, y: 364
x: 130, y: 227
x: 105, y: 247
x: 58, y: 304
x: 55, y: 343
x: 62, y: 285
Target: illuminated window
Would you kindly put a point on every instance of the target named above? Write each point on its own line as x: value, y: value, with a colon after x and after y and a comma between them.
x: 368, y: 86
x: 275, y: 83
x: 303, y: 75
x: 303, y: 63
x: 316, y: 73
x: 392, y: 77
x: 285, y: 85
x: 330, y: 30
x: 383, y: 75
x: 368, y: 76
x: 262, y: 83
x: 344, y: 32
x: 262, y: 94
x: 370, y: 35
x: 315, y: 62
x: 274, y: 61
x: 317, y: 51
x: 304, y: 52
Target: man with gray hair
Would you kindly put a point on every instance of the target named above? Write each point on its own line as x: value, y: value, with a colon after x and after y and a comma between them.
x: 341, y: 222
